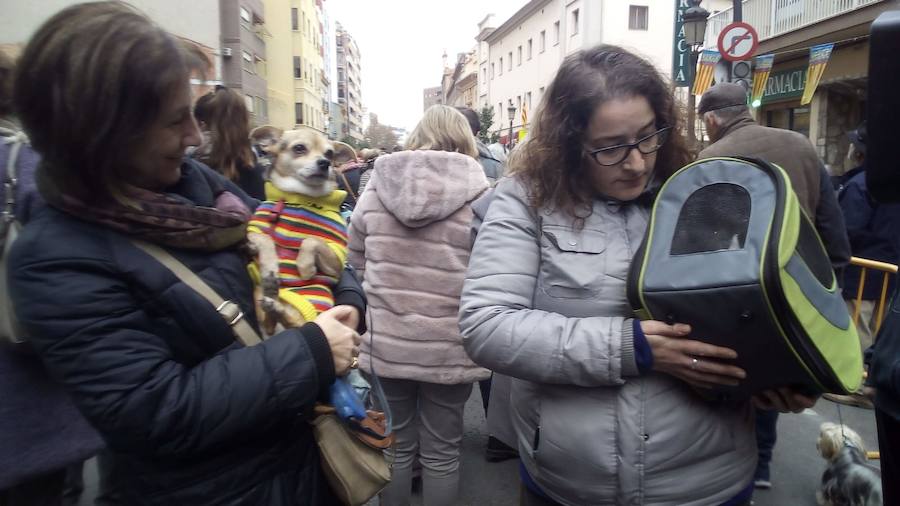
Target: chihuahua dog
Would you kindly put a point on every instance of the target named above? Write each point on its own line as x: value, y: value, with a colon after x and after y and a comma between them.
x: 848, y: 480
x: 298, y: 234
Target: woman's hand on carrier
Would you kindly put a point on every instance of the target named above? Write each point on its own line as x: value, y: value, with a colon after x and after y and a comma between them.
x: 695, y: 362
x: 785, y: 400
x: 343, y: 339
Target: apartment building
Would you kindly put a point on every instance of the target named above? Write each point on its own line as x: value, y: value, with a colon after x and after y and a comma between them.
x: 296, y: 53
x: 519, y: 58
x: 349, y: 83
x: 244, y: 66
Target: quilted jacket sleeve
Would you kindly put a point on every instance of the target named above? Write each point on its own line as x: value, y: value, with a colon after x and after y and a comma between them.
x: 97, y: 339
x: 501, y: 329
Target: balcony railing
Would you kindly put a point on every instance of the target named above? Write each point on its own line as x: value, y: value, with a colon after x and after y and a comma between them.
x: 772, y: 18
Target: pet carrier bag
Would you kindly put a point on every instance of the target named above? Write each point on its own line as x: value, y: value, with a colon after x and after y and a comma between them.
x: 729, y: 251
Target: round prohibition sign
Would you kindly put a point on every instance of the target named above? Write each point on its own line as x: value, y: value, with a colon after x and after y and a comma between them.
x: 738, y: 42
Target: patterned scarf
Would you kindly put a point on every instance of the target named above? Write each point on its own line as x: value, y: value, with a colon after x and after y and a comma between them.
x: 159, y: 218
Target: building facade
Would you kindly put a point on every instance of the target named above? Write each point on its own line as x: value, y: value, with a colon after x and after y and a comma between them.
x: 296, y: 76
x: 328, y: 72
x: 460, y: 86
x: 337, y: 122
x: 349, y: 83
x: 519, y: 58
x: 432, y: 96
x: 244, y: 66
x: 788, y: 28
x: 197, y: 22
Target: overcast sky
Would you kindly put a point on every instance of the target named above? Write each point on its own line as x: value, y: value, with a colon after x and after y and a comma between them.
x: 401, y: 42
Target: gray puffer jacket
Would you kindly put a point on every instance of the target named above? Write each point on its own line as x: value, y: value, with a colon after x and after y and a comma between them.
x: 545, y: 303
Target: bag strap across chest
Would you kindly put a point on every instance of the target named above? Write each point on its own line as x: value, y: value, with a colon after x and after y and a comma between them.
x: 228, y: 309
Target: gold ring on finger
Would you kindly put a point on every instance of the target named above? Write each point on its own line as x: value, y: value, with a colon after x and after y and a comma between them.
x: 355, y: 363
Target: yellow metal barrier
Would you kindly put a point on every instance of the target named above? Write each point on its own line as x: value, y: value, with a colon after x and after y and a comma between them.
x: 888, y: 269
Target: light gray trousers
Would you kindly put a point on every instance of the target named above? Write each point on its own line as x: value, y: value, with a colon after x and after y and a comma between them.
x: 428, y: 422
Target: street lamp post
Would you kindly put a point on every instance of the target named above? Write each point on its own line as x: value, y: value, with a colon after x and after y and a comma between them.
x: 694, y: 32
x: 511, y: 110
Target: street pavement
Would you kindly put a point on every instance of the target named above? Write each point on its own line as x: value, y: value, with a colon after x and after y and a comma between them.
x: 796, y: 465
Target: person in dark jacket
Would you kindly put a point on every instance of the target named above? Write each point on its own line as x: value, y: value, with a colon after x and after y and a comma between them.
x: 884, y: 366
x: 493, y: 168
x: 872, y: 228
x: 41, y: 430
x: 734, y: 133
x: 189, y: 415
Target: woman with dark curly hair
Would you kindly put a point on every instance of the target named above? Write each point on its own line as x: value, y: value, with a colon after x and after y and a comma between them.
x: 605, y: 407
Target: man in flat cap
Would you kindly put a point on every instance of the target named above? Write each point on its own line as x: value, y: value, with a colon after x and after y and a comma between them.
x: 735, y: 133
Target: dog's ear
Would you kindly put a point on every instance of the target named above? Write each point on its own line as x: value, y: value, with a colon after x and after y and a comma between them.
x: 829, y: 443
x: 264, y: 132
x: 854, y: 439
x: 343, y: 153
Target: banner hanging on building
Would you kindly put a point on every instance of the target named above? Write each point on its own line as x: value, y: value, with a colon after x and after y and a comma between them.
x: 524, y: 116
x: 761, y: 69
x: 705, y: 68
x: 818, y: 59
x: 681, y: 51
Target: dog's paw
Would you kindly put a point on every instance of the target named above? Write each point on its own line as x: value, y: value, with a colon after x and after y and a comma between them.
x: 329, y: 270
x: 306, y: 267
x: 270, y: 284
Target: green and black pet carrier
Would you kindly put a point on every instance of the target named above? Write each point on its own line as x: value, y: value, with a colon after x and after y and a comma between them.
x: 729, y: 251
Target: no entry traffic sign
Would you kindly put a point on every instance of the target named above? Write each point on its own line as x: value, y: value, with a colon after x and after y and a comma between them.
x: 738, y: 42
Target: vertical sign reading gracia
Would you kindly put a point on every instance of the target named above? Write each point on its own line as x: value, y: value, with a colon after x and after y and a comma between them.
x: 681, y: 51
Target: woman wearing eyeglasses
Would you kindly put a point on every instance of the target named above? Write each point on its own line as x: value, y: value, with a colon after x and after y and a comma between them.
x: 604, y: 406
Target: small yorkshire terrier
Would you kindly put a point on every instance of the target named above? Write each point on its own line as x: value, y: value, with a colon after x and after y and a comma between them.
x: 849, y: 480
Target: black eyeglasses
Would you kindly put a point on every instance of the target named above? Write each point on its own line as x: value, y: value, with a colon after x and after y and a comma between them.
x: 614, y: 155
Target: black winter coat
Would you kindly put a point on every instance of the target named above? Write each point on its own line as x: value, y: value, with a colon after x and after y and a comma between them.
x: 872, y: 229
x: 191, y: 417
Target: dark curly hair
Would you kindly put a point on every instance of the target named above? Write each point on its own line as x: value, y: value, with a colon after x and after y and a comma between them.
x: 551, y: 162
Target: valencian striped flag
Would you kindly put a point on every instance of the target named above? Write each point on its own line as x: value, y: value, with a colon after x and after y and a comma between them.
x: 521, y: 134
x: 818, y: 59
x: 705, y: 68
x: 761, y: 69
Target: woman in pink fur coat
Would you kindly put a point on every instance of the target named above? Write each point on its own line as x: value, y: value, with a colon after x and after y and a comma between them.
x: 410, y: 242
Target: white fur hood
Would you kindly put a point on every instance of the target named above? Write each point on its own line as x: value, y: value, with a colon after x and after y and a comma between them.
x: 421, y: 187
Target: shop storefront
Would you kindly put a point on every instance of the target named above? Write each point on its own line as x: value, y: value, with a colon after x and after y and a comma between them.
x: 837, y: 106
x: 781, y: 101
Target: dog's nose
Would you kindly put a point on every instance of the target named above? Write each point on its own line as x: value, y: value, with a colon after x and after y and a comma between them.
x: 323, y: 164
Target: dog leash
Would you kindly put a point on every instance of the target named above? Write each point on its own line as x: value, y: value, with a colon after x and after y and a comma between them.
x: 841, y: 421
x: 376, y: 383
x: 347, y: 186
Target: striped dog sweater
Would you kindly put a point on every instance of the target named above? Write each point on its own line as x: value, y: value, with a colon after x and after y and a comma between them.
x: 301, y: 217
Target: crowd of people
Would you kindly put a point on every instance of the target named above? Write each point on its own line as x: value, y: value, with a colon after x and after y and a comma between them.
x: 468, y: 265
